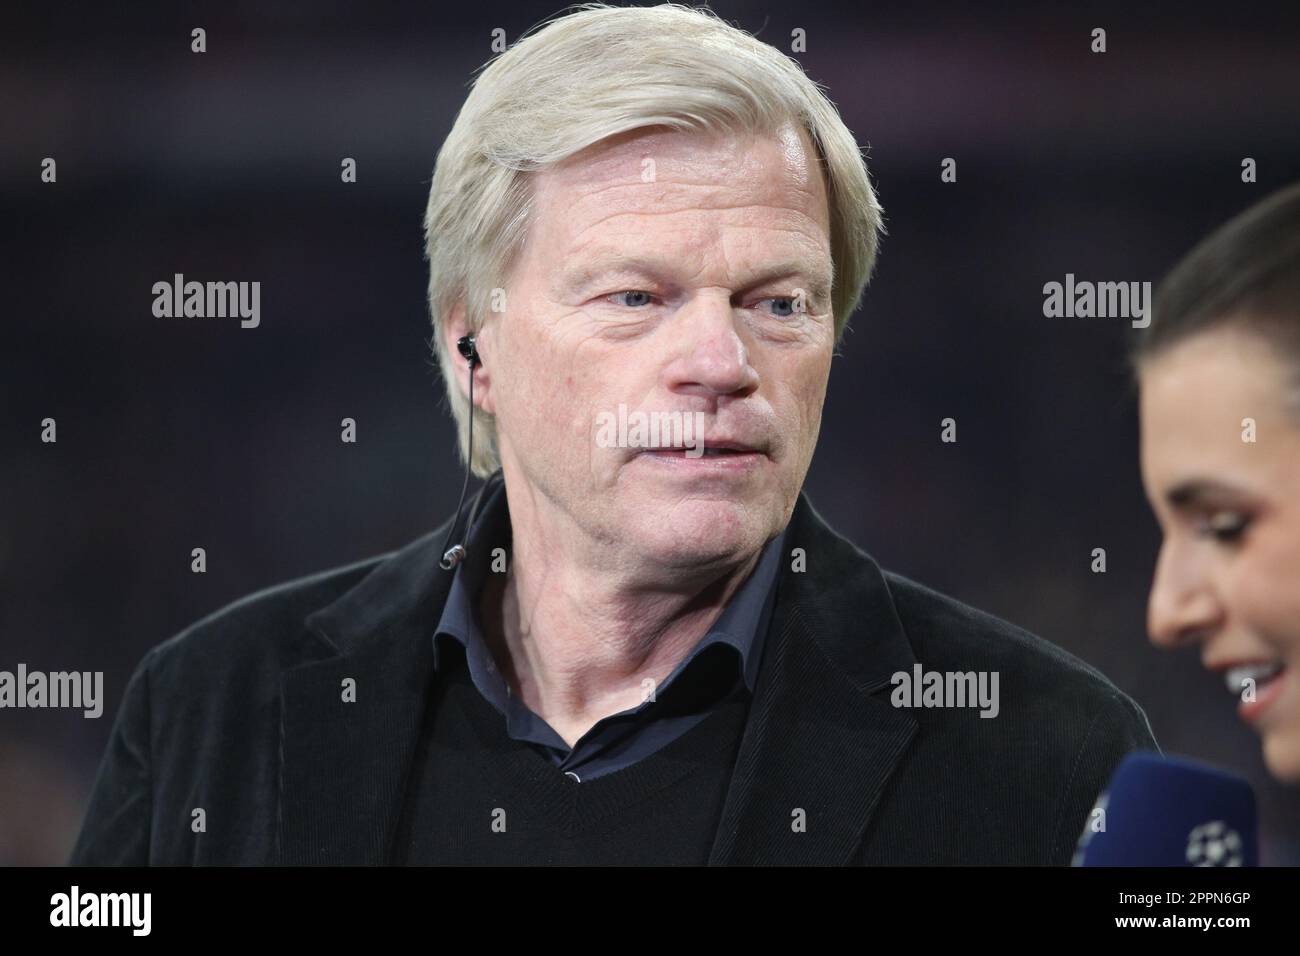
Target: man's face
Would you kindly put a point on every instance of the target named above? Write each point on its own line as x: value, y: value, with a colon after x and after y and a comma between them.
x: 667, y: 272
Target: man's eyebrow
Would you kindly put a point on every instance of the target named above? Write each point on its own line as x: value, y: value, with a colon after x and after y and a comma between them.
x: 591, y: 269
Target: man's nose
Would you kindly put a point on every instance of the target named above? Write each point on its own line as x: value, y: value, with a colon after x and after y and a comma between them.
x: 1183, y: 607
x: 713, y: 356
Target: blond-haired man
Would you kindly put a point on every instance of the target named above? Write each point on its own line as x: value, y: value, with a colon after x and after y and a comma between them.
x: 646, y: 233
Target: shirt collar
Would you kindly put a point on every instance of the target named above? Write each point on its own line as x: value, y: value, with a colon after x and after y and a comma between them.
x: 742, y: 624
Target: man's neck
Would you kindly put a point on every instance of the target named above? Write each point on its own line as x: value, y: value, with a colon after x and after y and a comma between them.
x: 576, y: 645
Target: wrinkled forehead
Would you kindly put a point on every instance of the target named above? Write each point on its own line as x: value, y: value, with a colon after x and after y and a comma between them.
x: 660, y: 171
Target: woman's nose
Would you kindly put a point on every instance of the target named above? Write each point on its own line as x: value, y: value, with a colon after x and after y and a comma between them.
x: 1183, y: 608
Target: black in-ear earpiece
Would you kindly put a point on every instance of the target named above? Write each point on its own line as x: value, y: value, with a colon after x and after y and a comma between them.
x: 456, y: 554
x: 465, y: 346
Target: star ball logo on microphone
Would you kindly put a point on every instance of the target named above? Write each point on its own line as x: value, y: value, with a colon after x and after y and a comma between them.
x: 654, y: 429
x: 1215, y: 844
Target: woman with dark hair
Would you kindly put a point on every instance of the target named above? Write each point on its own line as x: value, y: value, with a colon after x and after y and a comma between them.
x: 1219, y: 375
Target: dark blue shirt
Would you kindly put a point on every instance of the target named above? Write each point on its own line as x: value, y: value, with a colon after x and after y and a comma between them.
x: 724, y: 662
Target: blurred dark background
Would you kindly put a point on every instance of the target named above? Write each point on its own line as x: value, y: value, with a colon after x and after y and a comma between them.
x: 176, y: 434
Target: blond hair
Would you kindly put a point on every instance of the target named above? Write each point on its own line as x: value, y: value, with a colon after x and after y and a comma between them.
x: 591, y: 74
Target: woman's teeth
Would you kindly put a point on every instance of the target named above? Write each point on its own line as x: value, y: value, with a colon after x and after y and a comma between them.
x: 1235, y: 677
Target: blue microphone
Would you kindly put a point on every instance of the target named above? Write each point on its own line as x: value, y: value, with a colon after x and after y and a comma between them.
x: 1170, y: 812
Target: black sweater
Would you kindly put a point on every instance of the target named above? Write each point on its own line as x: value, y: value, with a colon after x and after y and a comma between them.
x: 477, y: 796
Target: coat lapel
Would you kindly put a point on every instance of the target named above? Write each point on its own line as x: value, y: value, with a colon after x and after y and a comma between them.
x: 822, y: 738
x: 344, y: 764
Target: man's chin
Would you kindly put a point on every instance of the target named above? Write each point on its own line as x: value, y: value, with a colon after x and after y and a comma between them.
x: 697, y: 532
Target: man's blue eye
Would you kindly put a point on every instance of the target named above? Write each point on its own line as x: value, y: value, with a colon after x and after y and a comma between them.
x: 783, y: 306
x: 641, y: 298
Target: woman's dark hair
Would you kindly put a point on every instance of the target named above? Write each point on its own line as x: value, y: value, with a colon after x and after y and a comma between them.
x: 1245, y: 274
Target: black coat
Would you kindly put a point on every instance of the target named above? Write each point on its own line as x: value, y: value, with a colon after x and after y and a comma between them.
x: 242, y: 715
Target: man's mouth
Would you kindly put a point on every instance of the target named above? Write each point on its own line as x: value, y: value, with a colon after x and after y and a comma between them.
x: 711, y: 449
x: 706, y: 452
x: 716, y: 453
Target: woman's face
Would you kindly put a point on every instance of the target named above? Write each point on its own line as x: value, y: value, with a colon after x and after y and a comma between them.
x: 1228, y: 502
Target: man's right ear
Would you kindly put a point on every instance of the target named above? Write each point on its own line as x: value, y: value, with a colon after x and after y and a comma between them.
x: 454, y: 329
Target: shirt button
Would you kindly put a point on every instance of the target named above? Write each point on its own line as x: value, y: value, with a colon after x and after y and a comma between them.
x: 570, y: 773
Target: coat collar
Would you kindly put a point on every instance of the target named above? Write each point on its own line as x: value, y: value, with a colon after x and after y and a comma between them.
x: 822, y: 739
x: 820, y: 744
